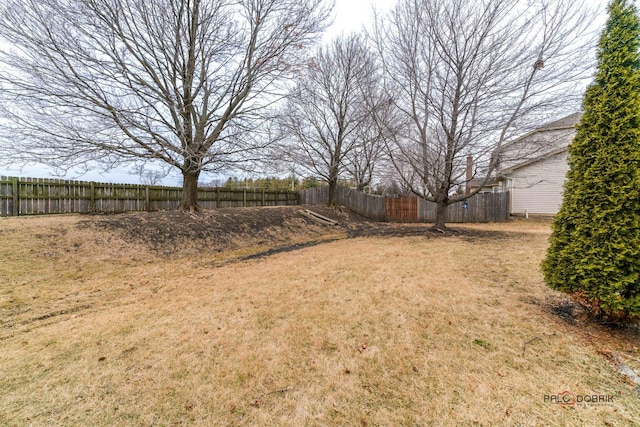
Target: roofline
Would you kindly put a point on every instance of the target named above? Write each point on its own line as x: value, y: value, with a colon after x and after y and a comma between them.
x: 537, y: 159
x: 533, y: 132
x: 488, y: 184
x: 543, y: 129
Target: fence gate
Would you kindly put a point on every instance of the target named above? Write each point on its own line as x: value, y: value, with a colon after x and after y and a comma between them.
x: 403, y: 209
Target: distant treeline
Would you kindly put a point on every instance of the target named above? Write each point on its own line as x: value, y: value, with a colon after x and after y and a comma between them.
x: 290, y: 183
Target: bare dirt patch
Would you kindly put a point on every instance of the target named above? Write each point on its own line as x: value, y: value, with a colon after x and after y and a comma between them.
x: 172, y: 232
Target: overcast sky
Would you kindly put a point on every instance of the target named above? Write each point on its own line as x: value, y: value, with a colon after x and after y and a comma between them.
x: 349, y: 16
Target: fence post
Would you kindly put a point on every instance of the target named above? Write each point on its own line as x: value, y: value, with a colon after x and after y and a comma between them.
x: 244, y: 197
x: 92, y: 201
x: 147, y: 198
x: 16, y: 196
x: 263, y: 197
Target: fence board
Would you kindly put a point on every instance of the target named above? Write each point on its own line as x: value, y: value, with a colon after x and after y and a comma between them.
x: 30, y: 196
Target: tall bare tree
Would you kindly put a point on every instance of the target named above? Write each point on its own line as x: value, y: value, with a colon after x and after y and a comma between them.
x: 328, y: 113
x: 364, y: 162
x: 464, y: 75
x: 184, y: 82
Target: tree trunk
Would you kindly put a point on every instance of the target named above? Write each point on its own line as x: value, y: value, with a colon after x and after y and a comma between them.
x: 333, y: 183
x: 189, y: 202
x: 441, y: 216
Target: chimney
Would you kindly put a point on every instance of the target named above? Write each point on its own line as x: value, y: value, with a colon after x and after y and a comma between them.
x: 469, y: 174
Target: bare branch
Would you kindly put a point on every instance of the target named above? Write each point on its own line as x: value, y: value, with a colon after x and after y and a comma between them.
x: 466, y: 76
x: 329, y: 117
x: 175, y: 81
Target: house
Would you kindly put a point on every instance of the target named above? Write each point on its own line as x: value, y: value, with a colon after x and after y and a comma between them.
x: 533, y: 167
x: 491, y: 186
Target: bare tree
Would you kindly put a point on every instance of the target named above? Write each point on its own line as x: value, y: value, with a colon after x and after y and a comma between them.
x: 464, y: 75
x: 184, y: 82
x: 151, y: 176
x: 369, y: 151
x: 328, y: 114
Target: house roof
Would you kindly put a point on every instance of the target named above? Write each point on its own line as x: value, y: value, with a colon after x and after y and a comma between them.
x: 567, y: 122
x: 477, y: 182
x: 537, y: 159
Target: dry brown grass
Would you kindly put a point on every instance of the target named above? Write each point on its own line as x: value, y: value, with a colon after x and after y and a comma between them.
x: 96, y: 330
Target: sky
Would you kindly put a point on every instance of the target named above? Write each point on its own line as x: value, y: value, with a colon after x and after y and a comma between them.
x: 349, y: 16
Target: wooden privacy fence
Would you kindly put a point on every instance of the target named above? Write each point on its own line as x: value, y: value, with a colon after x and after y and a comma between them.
x: 402, y: 209
x: 29, y: 196
x: 364, y: 204
x: 482, y: 207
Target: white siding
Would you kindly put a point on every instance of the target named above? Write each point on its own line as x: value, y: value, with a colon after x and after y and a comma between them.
x: 537, y: 188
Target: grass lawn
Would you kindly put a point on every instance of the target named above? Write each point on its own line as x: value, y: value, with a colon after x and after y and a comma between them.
x: 96, y: 329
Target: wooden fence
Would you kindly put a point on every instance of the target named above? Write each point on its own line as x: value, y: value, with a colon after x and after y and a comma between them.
x: 402, y: 209
x: 482, y: 207
x: 30, y: 196
x: 364, y: 204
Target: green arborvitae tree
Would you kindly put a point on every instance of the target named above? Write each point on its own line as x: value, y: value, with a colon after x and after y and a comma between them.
x: 595, y: 246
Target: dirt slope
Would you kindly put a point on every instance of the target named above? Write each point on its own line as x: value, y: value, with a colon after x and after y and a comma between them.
x: 172, y: 232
